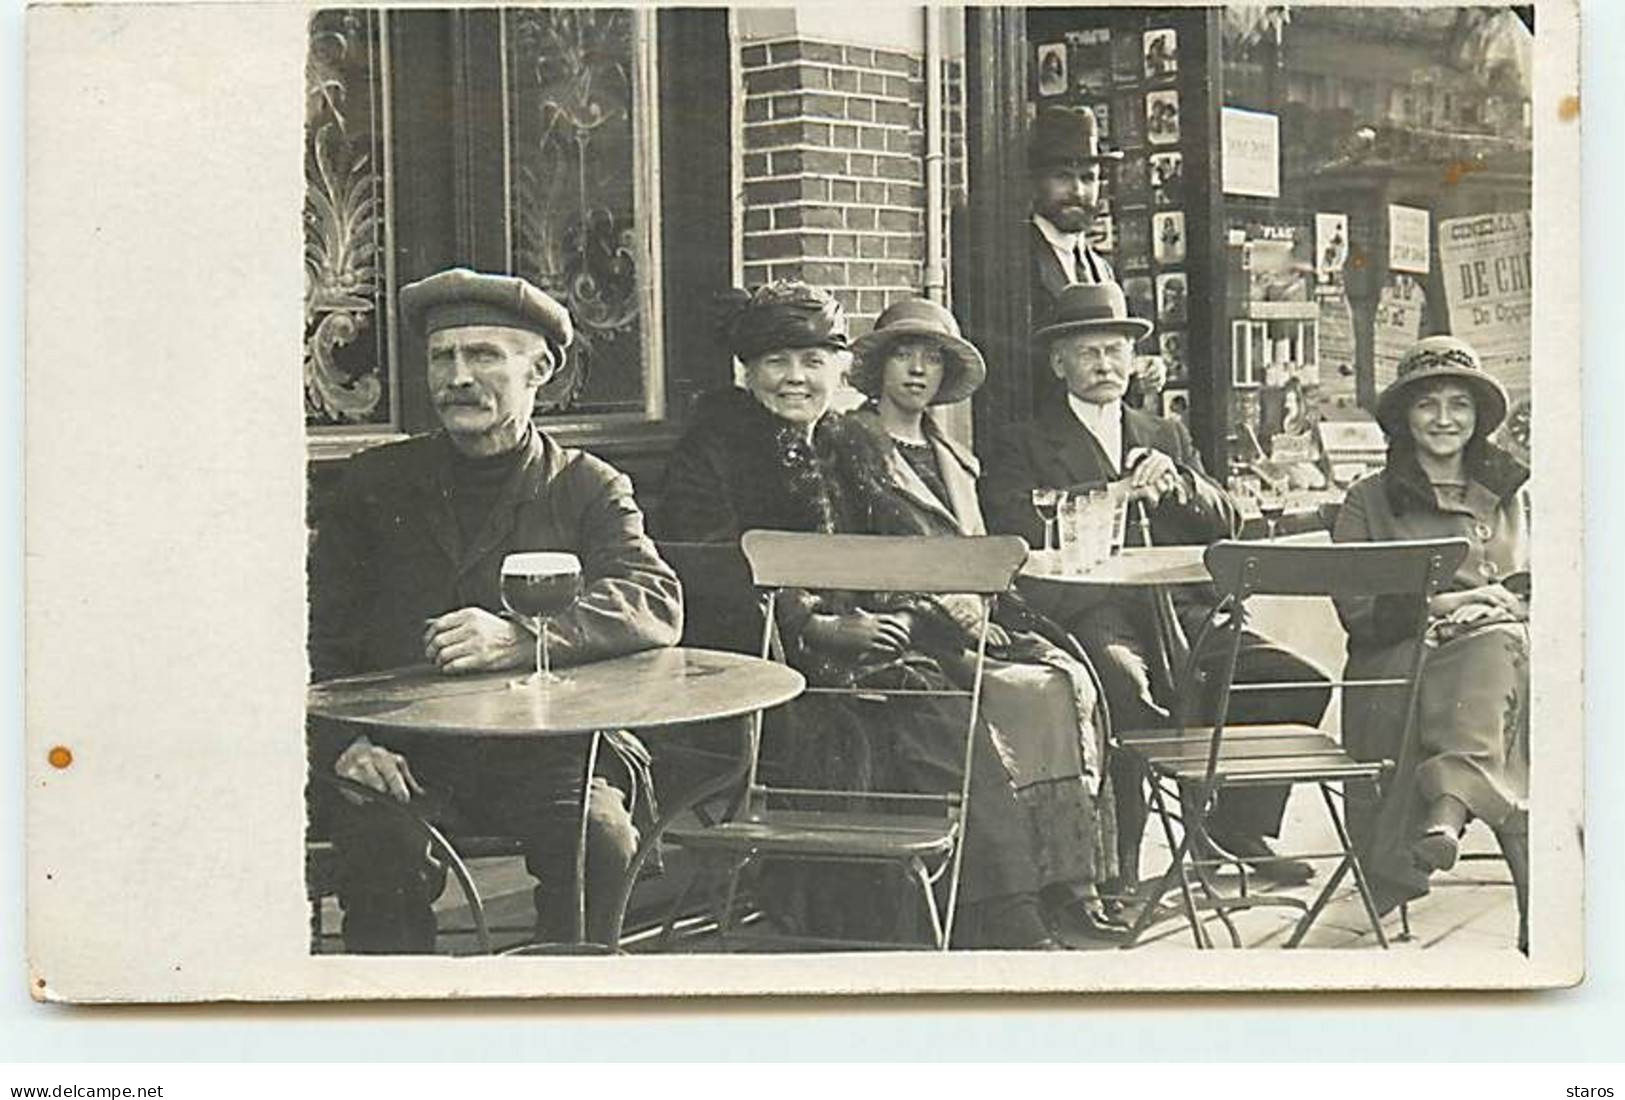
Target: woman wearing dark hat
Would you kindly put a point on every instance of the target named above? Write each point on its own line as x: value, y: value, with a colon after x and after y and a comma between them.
x: 768, y: 456
x: 1039, y: 701
x: 1444, y: 478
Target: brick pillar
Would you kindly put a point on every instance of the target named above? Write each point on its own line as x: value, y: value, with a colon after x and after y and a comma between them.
x: 834, y: 179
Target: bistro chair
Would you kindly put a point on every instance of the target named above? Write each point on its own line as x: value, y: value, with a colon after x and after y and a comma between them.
x: 919, y: 834
x: 1190, y: 764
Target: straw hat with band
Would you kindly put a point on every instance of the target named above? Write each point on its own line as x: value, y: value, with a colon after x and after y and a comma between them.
x: 1091, y: 307
x: 918, y: 319
x: 1062, y: 136
x: 1441, y: 357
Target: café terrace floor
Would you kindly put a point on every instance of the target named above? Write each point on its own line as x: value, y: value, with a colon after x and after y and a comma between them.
x: 1471, y: 906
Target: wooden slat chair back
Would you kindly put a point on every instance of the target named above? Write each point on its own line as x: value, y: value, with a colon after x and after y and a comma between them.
x: 1202, y: 760
x: 920, y: 833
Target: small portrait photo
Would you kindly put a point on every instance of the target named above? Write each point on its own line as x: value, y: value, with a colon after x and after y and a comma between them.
x: 1161, y: 53
x: 1171, y: 346
x: 1091, y: 59
x: 1137, y: 294
x: 1168, y: 237
x: 1171, y: 292
x: 1052, y: 69
x: 1162, y: 117
x: 1133, y: 243
x: 1176, y: 405
x: 1167, y: 172
x: 1132, y: 185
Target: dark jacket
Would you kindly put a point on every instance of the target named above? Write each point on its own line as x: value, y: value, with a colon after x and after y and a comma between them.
x: 389, y: 556
x: 1055, y: 451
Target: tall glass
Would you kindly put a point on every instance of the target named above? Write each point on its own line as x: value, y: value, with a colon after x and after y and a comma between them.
x: 536, y: 586
x: 1117, y: 492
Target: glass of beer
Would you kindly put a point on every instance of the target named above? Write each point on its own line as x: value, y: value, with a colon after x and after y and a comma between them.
x: 535, y: 587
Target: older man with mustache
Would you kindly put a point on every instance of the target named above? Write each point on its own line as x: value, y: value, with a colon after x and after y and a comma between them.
x: 405, y: 569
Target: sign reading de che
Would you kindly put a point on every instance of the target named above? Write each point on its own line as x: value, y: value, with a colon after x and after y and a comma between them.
x: 1486, y: 267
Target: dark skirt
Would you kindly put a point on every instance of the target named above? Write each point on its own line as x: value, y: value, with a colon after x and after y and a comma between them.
x: 1472, y: 743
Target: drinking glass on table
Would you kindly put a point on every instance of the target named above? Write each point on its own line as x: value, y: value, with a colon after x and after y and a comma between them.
x: 1047, y: 503
x: 1272, y: 505
x: 536, y: 586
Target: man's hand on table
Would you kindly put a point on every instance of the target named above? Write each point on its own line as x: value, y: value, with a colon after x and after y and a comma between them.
x: 471, y: 639
x: 377, y: 767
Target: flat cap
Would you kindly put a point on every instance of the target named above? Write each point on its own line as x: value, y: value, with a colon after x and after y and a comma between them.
x: 458, y: 296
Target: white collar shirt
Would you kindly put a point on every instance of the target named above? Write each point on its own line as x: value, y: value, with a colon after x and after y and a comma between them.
x: 1105, y: 423
x: 1067, y: 247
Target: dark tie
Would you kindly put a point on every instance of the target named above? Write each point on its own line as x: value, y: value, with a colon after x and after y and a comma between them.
x: 1083, y: 266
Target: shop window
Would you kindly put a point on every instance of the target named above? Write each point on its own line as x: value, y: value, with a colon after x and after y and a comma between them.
x: 349, y: 355
x: 583, y: 212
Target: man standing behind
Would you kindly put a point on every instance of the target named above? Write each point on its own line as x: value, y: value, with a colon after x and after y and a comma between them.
x: 1091, y: 437
x: 1066, y: 162
x: 405, y: 569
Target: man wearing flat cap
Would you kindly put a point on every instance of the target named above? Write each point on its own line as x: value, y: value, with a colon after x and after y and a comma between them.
x: 1065, y: 162
x: 405, y: 569
x: 1088, y: 438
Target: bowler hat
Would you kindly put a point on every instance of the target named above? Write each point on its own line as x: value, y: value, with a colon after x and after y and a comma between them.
x: 1435, y: 357
x: 1091, y: 307
x: 1061, y: 136
x: 924, y: 320
x: 458, y: 296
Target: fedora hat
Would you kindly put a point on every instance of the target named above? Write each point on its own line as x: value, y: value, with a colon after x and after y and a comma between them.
x: 964, y: 369
x: 1435, y: 357
x: 1062, y: 136
x: 1091, y: 307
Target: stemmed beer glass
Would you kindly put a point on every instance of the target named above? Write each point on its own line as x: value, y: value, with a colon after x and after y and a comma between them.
x: 1047, y: 503
x: 536, y: 586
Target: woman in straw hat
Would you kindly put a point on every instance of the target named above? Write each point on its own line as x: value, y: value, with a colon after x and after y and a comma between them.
x: 1444, y: 479
x: 770, y: 455
x: 1039, y: 699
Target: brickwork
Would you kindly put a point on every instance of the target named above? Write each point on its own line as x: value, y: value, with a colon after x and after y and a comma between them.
x: 834, y: 175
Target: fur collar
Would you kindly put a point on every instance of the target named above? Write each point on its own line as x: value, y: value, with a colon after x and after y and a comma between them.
x: 1497, y: 471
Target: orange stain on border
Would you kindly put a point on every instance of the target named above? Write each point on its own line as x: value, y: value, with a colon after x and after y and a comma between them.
x: 60, y: 756
x: 1568, y: 108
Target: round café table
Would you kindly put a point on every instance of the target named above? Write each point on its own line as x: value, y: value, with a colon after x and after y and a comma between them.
x: 648, y: 691
x: 1158, y: 568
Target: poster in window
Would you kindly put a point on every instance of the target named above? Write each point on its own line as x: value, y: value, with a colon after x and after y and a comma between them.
x: 1138, y: 293
x: 1408, y: 239
x: 1485, y: 263
x: 1396, y: 325
x: 1168, y: 237
x: 1171, y: 346
x: 1162, y: 117
x: 1127, y: 64
x: 1252, y: 153
x: 1102, y: 110
x: 1130, y: 117
x: 1331, y: 247
x: 1090, y: 60
x: 1176, y: 405
x: 1134, y: 242
x: 1167, y: 178
x: 1131, y: 181
x: 1102, y: 232
x: 1172, y: 291
x: 1052, y: 69
x: 1161, y: 54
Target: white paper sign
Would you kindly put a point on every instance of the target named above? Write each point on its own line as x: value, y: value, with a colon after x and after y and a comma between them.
x: 1408, y: 239
x: 1252, y: 153
x: 1485, y: 261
